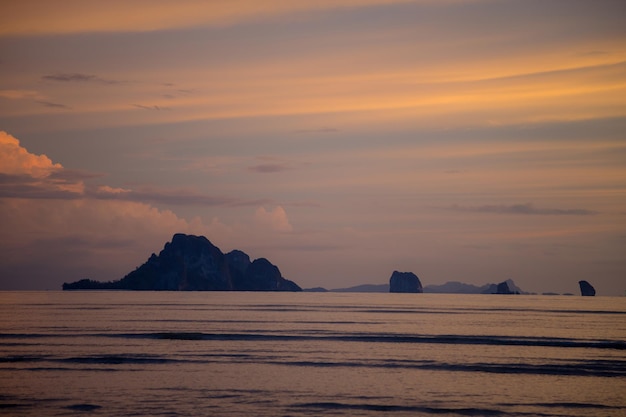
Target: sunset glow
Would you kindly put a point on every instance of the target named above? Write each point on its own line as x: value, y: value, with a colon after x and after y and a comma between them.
x: 472, y: 141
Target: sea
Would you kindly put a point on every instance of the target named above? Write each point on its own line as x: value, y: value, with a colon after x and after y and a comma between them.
x: 118, y: 353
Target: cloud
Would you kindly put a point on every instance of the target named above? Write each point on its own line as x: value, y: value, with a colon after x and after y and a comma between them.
x: 43, y: 17
x: 32, y: 95
x: 21, y: 94
x: 16, y: 160
x: 154, y: 107
x: 318, y: 130
x: 70, y: 185
x: 30, y: 176
x: 275, y: 219
x: 169, y: 197
x: 53, y: 105
x: 269, y: 168
x: 78, y: 77
x: 303, y: 203
x: 270, y: 165
x: 107, y: 190
x: 26, y: 175
x: 74, y: 175
x: 25, y: 186
x: 524, y: 209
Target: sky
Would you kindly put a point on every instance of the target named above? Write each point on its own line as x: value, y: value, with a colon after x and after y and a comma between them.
x: 462, y: 140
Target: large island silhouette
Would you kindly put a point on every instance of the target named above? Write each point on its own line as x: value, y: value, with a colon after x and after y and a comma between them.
x: 193, y: 263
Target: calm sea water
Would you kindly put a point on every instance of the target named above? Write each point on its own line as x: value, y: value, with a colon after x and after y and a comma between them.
x: 309, y: 354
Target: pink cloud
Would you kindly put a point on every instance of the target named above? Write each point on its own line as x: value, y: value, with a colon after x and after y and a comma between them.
x: 24, y: 174
x: 16, y: 160
x: 275, y: 219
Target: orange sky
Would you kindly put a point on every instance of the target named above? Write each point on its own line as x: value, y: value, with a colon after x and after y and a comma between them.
x: 473, y: 141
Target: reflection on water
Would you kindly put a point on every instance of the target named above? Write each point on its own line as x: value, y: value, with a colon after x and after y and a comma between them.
x: 180, y: 354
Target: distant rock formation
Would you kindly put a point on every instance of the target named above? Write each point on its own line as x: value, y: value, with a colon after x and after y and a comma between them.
x: 405, y: 282
x: 450, y: 287
x: 586, y: 289
x: 89, y: 284
x: 315, y: 289
x: 365, y: 288
x: 455, y: 287
x: 503, y: 288
x: 193, y: 263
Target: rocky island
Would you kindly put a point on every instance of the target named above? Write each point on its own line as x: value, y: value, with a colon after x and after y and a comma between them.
x: 406, y: 282
x: 586, y: 289
x: 193, y: 263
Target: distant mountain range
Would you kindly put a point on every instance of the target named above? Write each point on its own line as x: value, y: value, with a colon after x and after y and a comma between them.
x: 450, y: 287
x: 455, y: 287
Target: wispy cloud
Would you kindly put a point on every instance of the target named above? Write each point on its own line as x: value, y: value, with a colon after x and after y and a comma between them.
x: 57, y: 183
x: 27, y: 187
x: 72, y: 175
x: 318, y: 130
x: 96, y: 16
x: 302, y: 203
x: 171, y: 197
x: 32, y: 95
x: 269, y: 168
x: 70, y: 185
x: 28, y: 176
x: 270, y: 165
x: 53, y: 105
x: 78, y: 77
x: 21, y: 94
x: 524, y: 209
x: 153, y: 107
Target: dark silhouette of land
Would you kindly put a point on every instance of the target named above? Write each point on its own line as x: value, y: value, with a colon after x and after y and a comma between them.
x: 586, y: 289
x: 193, y: 263
x: 450, y: 287
x: 405, y: 282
